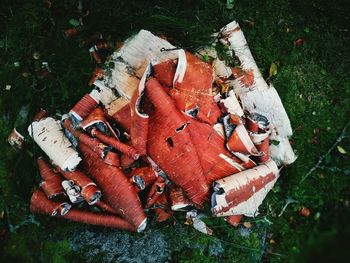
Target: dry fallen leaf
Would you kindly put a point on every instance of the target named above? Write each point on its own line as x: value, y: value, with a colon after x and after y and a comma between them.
x: 299, y: 42
x: 273, y: 69
x: 341, y: 149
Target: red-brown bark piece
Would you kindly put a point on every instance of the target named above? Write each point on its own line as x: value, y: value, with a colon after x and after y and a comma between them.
x: 170, y: 146
x: 177, y: 198
x: 162, y: 209
x: 123, y: 117
x: 96, y: 116
x: 40, y: 204
x: 216, y: 160
x: 156, y: 191
x: 89, y: 190
x: 83, y: 107
x: 45, y: 170
x: 52, y: 180
x: 195, y: 90
x: 240, y: 141
x: 139, y: 126
x: 52, y: 187
x: 164, y: 72
x: 117, y: 190
x: 106, y: 207
x: 118, y: 145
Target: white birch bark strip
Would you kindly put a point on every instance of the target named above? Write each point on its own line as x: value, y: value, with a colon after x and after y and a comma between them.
x: 132, y: 59
x: 48, y: 134
x: 259, y: 97
x: 240, y: 193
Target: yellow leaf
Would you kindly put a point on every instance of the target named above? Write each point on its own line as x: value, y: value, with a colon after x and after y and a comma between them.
x: 273, y: 69
x: 341, y: 149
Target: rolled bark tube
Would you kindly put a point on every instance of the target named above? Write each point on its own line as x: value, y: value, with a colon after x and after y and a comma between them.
x: 83, y: 107
x: 45, y: 170
x: 98, y: 147
x: 122, y: 147
x: 52, y: 187
x: 99, y: 219
x: 170, y: 146
x: 240, y: 141
x: 41, y: 205
x: 244, y: 192
x: 89, y: 190
x: 117, y: 190
x: 47, y: 133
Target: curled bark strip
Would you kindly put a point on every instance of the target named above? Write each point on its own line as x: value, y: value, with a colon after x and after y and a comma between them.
x: 177, y: 198
x: 83, y: 107
x: 263, y: 148
x: 240, y: 141
x: 118, y: 145
x: 194, y: 88
x: 143, y: 177
x: 41, y: 205
x: 231, y: 104
x: 243, y: 193
x: 117, y: 189
x: 258, y: 97
x: 89, y: 190
x: 47, y: 133
x: 173, y: 151
x: 96, y: 117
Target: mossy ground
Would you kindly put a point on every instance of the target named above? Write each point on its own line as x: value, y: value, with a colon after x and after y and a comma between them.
x: 312, y: 80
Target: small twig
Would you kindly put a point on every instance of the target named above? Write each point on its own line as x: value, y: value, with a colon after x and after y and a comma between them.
x: 321, y: 159
x: 288, y: 202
